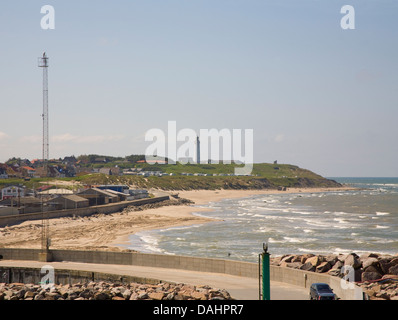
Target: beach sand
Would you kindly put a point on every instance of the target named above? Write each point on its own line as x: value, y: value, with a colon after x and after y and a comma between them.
x: 111, y: 232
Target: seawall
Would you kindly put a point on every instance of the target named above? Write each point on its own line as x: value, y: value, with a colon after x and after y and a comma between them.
x: 238, y: 268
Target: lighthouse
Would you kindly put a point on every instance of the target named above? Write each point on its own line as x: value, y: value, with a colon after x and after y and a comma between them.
x: 197, y: 150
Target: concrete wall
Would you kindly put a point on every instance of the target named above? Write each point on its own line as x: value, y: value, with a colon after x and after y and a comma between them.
x: 245, y: 269
x: 81, y: 212
x: 62, y: 276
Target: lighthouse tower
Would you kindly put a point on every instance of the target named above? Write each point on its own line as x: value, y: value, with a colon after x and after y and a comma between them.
x: 197, y: 150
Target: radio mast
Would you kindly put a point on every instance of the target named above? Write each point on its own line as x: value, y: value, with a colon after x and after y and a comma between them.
x: 43, y: 63
x: 45, y: 243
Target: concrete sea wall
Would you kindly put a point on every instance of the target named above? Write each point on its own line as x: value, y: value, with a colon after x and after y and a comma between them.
x: 245, y: 269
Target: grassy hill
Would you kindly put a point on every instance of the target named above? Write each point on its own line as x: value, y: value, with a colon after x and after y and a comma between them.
x: 264, y: 176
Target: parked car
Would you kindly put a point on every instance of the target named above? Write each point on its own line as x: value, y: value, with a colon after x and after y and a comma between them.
x: 321, y: 291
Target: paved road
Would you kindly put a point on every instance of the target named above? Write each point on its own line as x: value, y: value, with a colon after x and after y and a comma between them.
x: 241, y: 288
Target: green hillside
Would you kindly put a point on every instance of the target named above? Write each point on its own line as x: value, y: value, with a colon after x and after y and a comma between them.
x: 264, y: 176
x: 218, y: 176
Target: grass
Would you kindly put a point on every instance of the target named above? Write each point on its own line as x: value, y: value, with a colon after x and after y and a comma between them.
x: 265, y: 175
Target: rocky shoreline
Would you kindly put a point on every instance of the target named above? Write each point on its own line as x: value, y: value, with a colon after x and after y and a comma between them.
x: 377, y: 274
x: 103, y: 290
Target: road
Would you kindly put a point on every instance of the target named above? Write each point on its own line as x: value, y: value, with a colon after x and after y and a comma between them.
x: 240, y: 288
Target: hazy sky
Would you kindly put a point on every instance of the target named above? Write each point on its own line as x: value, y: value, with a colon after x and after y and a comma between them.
x: 315, y: 95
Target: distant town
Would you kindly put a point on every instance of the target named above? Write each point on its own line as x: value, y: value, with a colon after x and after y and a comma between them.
x: 17, y: 198
x: 72, y: 166
x: 28, y: 186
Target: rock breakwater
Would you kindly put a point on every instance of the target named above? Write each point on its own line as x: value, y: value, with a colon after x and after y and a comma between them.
x: 103, y: 290
x: 377, y: 274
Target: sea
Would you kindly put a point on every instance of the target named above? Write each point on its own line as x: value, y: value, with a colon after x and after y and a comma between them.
x: 362, y: 220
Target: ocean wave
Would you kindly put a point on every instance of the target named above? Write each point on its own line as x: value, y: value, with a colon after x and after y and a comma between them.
x: 382, y: 227
x: 340, y: 220
x: 378, y: 213
x: 302, y: 212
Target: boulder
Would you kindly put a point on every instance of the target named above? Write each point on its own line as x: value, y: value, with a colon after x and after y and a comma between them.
x: 353, y: 260
x: 156, y: 295
x: 296, y: 258
x: 334, y: 272
x: 29, y: 294
x: 295, y: 265
x: 314, y: 261
x: 101, y: 296
x: 369, y: 255
x: 307, y: 267
x: 369, y: 261
x: 338, y: 265
x: 199, y: 295
x: 370, y: 276
x: 86, y: 293
x: 372, y: 269
x: 383, y: 294
x: 358, y: 275
x: 385, y: 264
x: 304, y: 257
x: 393, y: 270
x: 126, y: 294
x: 323, y: 267
x: 332, y: 259
x: 286, y: 259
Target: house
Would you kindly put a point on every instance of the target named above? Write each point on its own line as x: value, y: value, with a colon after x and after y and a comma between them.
x: 69, y: 201
x: 153, y: 161
x: 3, y: 173
x: 69, y: 160
x: 50, y: 171
x: 110, y: 171
x: 137, y: 194
x: 11, y: 192
x: 121, y: 195
x: 115, y: 187
x: 20, y: 201
x: 97, y: 196
x: 23, y: 204
x: 56, y: 192
x: 28, y: 171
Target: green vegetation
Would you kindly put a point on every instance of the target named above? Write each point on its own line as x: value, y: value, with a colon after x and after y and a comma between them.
x: 218, y: 176
x: 179, y: 182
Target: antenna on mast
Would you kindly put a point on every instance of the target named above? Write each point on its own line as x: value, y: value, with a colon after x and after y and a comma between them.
x: 45, y: 241
x: 43, y: 63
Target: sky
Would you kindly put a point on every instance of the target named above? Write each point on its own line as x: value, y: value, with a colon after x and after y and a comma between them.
x: 315, y: 95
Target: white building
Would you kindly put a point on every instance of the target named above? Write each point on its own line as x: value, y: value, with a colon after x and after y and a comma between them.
x: 12, y: 191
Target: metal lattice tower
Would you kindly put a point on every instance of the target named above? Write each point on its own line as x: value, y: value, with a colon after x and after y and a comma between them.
x: 43, y: 63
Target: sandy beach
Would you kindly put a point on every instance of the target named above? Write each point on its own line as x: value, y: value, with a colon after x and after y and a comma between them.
x: 111, y: 232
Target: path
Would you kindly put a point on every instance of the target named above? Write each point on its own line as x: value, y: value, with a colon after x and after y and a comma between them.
x: 240, y: 288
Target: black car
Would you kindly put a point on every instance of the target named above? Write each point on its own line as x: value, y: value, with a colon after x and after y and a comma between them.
x: 321, y: 291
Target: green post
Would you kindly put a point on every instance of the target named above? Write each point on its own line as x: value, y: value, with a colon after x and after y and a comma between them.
x: 266, y: 290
